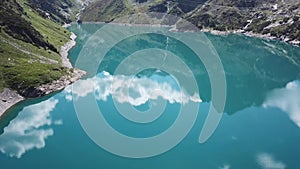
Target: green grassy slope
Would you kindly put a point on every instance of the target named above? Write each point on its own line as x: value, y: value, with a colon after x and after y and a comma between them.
x: 105, y: 10
x: 52, y: 32
x: 29, y: 47
x: 109, y: 10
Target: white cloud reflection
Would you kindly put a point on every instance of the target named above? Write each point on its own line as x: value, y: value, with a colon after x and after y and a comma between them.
x: 266, y: 161
x: 225, y: 166
x: 287, y: 99
x: 129, y: 89
x: 29, y: 129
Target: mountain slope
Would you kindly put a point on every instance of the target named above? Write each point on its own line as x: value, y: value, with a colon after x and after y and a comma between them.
x: 275, y: 18
x: 105, y: 10
x: 18, y: 27
x: 57, y: 10
x: 30, y: 43
x: 271, y: 18
x: 108, y: 10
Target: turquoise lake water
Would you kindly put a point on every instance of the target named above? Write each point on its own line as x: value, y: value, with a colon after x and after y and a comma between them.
x: 259, y: 128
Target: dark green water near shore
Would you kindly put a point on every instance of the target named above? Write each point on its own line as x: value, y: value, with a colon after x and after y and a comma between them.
x: 260, y: 127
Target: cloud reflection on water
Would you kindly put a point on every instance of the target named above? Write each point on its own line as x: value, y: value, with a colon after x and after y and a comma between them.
x: 29, y: 129
x: 128, y: 89
x: 287, y: 99
x: 267, y: 161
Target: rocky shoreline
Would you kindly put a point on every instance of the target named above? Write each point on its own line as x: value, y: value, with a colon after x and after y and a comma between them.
x: 212, y: 31
x: 64, y: 51
x: 251, y: 34
x: 239, y: 32
x: 8, y: 98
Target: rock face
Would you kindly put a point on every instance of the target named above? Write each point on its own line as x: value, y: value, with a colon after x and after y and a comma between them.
x: 55, y: 85
x: 104, y: 10
x: 7, y: 99
x: 270, y: 18
x: 58, y: 10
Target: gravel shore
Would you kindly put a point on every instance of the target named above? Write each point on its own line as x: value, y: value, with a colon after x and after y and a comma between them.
x: 7, y: 99
x: 64, y: 51
x: 251, y: 34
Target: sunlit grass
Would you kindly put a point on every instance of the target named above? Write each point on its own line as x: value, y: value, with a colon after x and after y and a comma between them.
x: 24, y: 65
x: 52, y: 32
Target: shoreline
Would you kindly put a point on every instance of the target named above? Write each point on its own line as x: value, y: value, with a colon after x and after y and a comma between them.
x: 212, y: 31
x: 9, y: 98
x: 64, y: 51
x: 251, y: 34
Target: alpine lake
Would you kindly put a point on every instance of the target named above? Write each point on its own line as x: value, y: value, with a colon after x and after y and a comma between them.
x: 259, y: 126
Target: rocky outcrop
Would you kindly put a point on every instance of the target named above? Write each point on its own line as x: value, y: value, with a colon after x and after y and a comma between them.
x: 53, y: 86
x: 104, y: 10
x: 7, y: 99
x: 61, y: 83
x: 64, y: 81
x: 274, y: 19
x: 43, y: 74
x: 58, y: 10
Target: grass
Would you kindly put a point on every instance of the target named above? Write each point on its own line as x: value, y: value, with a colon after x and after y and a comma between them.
x: 109, y: 10
x: 106, y: 11
x: 24, y: 65
x: 19, y: 70
x: 47, y: 54
x: 52, y: 32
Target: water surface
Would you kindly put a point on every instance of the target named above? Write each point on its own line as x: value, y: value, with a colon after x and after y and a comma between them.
x: 259, y: 128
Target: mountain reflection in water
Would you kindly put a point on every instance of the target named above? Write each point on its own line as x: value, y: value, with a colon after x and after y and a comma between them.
x: 262, y: 79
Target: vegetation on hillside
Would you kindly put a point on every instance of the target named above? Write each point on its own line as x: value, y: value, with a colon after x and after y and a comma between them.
x: 56, y: 10
x: 18, y: 27
x: 109, y: 10
x: 29, y: 46
x: 105, y: 10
